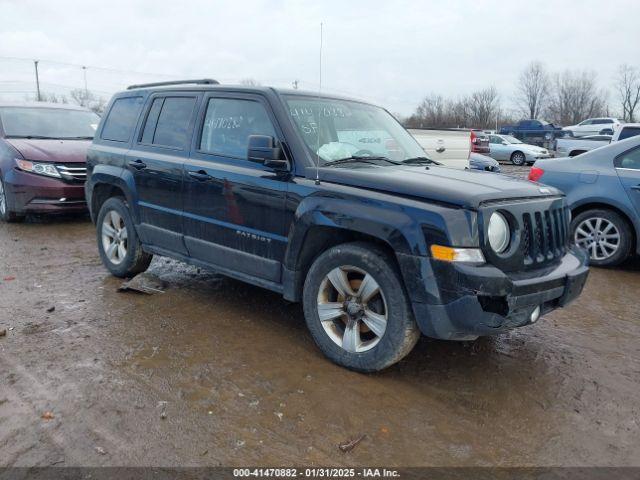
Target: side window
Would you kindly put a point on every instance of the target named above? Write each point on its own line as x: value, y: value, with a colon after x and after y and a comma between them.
x: 606, y: 120
x: 630, y: 159
x: 494, y: 139
x: 172, y: 129
x: 228, y: 124
x: 628, y: 132
x: 151, y: 122
x: 121, y: 119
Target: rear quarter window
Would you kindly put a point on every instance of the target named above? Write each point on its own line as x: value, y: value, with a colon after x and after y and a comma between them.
x: 121, y: 119
x: 628, y: 132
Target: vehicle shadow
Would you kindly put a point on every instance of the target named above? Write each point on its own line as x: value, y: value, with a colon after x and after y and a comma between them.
x: 40, y: 219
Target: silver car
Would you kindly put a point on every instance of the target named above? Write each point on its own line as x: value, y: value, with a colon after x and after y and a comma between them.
x: 508, y: 148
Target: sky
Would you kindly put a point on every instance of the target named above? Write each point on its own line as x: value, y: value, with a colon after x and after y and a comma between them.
x: 392, y: 53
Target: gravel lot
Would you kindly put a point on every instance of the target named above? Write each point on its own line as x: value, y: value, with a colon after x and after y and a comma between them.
x: 217, y: 372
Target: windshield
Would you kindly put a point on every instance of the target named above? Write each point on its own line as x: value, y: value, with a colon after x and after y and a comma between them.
x: 42, y: 122
x: 342, y: 129
x: 510, y: 139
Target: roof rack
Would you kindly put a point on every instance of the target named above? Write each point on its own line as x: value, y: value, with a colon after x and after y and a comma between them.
x: 201, y: 81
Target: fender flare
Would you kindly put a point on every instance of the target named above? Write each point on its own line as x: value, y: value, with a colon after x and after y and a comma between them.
x: 384, y: 224
x: 114, y: 177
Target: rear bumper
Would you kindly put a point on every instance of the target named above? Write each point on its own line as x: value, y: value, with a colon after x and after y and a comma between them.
x: 472, y: 301
x: 31, y: 193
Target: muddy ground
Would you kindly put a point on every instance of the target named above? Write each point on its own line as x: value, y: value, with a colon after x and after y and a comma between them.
x: 215, y: 372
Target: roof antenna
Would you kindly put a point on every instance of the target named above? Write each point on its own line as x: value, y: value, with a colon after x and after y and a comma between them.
x: 319, y: 118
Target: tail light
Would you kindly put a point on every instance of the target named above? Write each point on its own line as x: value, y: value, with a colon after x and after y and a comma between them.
x: 535, y: 174
x: 476, y: 143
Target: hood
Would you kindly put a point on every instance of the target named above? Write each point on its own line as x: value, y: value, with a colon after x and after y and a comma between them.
x: 63, y: 151
x: 462, y: 188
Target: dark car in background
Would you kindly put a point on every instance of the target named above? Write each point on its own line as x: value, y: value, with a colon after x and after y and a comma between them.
x: 534, y: 132
x: 43, y: 150
x: 603, y: 193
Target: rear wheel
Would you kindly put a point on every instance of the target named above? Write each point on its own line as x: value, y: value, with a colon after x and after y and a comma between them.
x: 518, y: 158
x: 5, y: 213
x: 356, y: 308
x: 604, y: 234
x: 118, y: 243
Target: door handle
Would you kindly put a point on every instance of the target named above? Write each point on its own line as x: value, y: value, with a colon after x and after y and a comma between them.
x: 138, y: 164
x: 200, y: 175
x: 440, y: 149
x: 636, y: 187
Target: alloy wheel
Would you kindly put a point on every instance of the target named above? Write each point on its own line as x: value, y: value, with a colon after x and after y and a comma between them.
x: 599, y: 236
x: 518, y: 158
x: 114, y: 237
x: 352, y: 309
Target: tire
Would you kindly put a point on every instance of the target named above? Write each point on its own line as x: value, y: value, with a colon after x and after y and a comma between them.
x: 518, y: 158
x: 366, y: 350
x: 6, y: 214
x: 602, y: 255
x: 128, y: 258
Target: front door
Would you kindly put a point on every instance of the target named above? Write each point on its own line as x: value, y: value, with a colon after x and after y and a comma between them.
x: 498, y: 150
x: 156, y: 161
x: 628, y: 168
x: 234, y: 208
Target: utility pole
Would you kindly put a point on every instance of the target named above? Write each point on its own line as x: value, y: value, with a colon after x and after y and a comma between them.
x: 35, y: 62
x: 86, y: 90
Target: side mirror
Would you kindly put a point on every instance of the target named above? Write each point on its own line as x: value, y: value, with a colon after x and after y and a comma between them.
x: 504, y: 143
x: 263, y: 149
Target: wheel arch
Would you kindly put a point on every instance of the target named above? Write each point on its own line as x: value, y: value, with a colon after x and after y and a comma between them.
x: 315, y: 231
x: 106, y: 182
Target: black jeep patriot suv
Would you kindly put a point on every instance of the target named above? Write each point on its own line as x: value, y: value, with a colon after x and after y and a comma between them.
x: 332, y: 203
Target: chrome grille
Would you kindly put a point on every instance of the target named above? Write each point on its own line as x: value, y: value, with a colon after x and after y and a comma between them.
x: 75, y: 172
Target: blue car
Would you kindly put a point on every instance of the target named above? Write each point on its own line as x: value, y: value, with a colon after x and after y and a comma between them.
x: 603, y: 193
x: 482, y: 162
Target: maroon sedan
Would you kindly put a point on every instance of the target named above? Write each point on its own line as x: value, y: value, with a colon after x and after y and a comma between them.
x: 43, y: 158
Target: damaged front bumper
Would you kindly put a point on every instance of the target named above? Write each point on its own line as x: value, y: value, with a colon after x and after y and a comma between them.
x: 461, y: 302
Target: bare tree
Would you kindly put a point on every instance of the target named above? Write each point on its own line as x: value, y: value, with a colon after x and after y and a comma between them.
x: 476, y: 110
x: 51, y: 98
x: 628, y: 87
x: 533, y: 89
x: 574, y: 97
x: 86, y: 98
x: 483, y: 107
x: 431, y: 111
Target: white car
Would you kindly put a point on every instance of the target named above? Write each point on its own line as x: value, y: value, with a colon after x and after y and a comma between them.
x: 594, y: 126
x: 508, y: 148
x: 626, y: 130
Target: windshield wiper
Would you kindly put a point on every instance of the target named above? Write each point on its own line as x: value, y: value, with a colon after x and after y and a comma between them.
x: 77, y: 138
x: 32, y: 137
x: 420, y: 161
x: 363, y: 159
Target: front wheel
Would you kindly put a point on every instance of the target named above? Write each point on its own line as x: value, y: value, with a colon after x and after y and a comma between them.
x: 518, y: 158
x: 6, y: 214
x: 120, y: 248
x: 604, y: 234
x: 356, y: 308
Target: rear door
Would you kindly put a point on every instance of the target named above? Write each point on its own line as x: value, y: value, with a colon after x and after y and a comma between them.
x: 628, y: 169
x: 156, y: 161
x: 234, y: 208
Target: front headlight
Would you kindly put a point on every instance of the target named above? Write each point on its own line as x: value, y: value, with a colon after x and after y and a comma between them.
x: 498, y: 232
x: 46, y: 169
